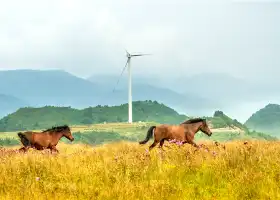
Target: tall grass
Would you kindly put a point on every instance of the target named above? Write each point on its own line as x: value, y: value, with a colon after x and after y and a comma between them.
x: 127, y: 171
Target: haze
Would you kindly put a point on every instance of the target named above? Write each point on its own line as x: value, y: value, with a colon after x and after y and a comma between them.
x: 240, y: 38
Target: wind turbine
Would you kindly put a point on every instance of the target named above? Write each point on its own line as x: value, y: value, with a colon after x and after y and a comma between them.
x: 128, y: 64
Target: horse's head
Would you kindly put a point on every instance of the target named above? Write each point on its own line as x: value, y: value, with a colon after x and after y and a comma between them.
x: 198, y: 124
x: 67, y: 133
x: 205, y: 128
x: 64, y: 131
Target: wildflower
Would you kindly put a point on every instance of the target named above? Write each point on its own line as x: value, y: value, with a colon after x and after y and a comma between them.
x: 37, y: 178
x: 214, y: 153
x: 172, y: 141
x: 179, y: 143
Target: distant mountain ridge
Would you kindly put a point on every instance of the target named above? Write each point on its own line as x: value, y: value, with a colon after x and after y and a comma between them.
x: 204, y: 85
x: 9, y: 104
x: 52, y: 87
x: 214, y: 91
x: 59, y: 88
x: 200, y: 94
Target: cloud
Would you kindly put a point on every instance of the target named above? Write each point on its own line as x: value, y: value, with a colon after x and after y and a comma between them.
x: 185, y: 37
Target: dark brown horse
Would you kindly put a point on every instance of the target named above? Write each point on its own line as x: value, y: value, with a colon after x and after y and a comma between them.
x: 183, y: 132
x: 47, y: 139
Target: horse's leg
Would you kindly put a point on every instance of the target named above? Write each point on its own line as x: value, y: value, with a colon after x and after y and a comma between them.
x: 53, y: 149
x: 197, y: 147
x: 153, y: 145
x: 24, y: 149
x: 192, y: 143
x: 161, y: 143
x: 26, y: 144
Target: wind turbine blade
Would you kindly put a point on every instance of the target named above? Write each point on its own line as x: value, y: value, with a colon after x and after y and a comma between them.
x: 120, y: 75
x: 127, y: 54
x: 140, y: 54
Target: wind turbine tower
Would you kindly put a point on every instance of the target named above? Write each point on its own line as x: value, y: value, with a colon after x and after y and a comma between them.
x: 128, y: 64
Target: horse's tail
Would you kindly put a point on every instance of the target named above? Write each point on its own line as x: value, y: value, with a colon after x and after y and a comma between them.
x: 20, y: 135
x: 24, y: 139
x: 149, y: 135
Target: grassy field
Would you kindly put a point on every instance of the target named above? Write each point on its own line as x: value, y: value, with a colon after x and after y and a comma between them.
x: 128, y: 171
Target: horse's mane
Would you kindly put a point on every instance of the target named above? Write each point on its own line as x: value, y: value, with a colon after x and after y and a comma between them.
x: 194, y: 120
x: 57, y: 128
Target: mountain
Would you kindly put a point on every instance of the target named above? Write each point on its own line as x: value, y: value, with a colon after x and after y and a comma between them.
x: 204, y: 85
x: 266, y: 119
x: 232, y: 129
x: 111, y: 80
x: 10, y: 104
x: 221, y: 120
x: 155, y: 88
x: 53, y: 87
x: 60, y: 88
x: 183, y: 103
x: 205, y: 92
x: 195, y: 95
x: 38, y: 118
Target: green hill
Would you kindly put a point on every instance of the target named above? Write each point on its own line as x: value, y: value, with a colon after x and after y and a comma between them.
x: 232, y: 129
x: 223, y: 127
x: 221, y: 120
x: 44, y: 117
x: 226, y: 128
x: 266, y: 120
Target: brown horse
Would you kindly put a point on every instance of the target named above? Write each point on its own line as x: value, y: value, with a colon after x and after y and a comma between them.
x: 183, y: 132
x: 47, y: 139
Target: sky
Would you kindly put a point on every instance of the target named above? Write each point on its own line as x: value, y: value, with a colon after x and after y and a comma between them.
x: 185, y: 37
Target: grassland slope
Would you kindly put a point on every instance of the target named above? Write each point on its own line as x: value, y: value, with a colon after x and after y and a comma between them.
x: 29, y: 118
x: 266, y: 120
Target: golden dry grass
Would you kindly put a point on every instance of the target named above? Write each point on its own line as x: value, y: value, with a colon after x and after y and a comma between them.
x: 128, y: 171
